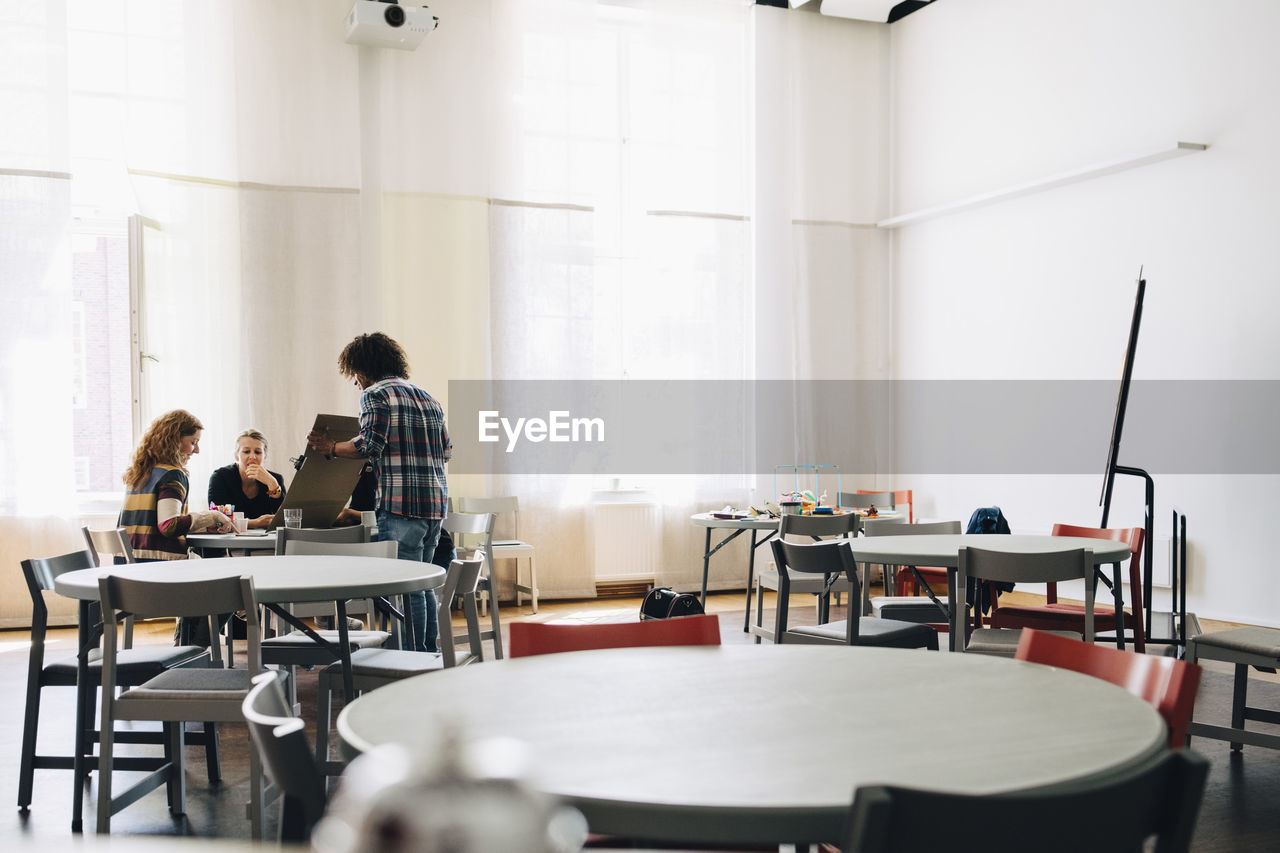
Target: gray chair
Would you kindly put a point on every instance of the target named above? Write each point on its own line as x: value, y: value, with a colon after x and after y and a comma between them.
x: 281, y: 745
x: 133, y: 667
x: 1243, y: 648
x: 473, y: 531
x: 1117, y: 815
x: 999, y: 566
x: 287, y: 537
x: 113, y: 543
x: 505, y: 547
x: 176, y: 695
x: 298, y: 648
x: 909, y: 608
x: 373, y: 668
x: 831, y: 559
x: 816, y: 527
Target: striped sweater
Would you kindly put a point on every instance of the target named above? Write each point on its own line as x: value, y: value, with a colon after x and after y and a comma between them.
x: 139, y: 517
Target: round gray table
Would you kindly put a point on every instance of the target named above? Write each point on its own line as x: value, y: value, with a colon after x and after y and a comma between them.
x: 766, y: 744
x: 944, y: 550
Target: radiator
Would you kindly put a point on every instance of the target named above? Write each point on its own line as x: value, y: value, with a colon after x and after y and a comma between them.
x: 626, y: 533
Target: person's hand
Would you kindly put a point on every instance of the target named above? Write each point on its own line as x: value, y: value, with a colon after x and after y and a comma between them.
x: 261, y: 521
x: 211, y: 521
x: 256, y: 472
x: 318, y: 439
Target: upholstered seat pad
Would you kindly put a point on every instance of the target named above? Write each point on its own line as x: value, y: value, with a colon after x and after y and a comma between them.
x: 1004, y: 641
x: 355, y: 639
x: 191, y: 683
x: 871, y: 631
x: 1264, y: 642
x: 393, y: 663
x: 133, y: 662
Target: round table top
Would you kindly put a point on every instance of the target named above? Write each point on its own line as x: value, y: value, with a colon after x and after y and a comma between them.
x: 294, y: 578
x: 759, y: 522
x: 944, y: 549
x: 749, y: 743
x: 263, y: 541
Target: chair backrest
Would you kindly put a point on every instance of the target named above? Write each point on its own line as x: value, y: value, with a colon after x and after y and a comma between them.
x: 388, y: 549
x: 1161, y: 798
x: 816, y: 526
x: 1167, y: 683
x: 504, y: 506
x: 113, y: 542
x: 862, y: 500
x: 540, y: 638
x: 40, y: 573
x: 1134, y: 536
x: 350, y: 533
x: 889, y: 527
x: 288, y: 761
x: 472, y: 531
x: 1009, y: 567
x: 189, y: 598
x: 901, y: 498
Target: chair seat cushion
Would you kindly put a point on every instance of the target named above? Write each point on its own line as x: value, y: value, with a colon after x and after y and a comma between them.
x: 1004, y: 641
x: 873, y: 632
x: 191, y: 683
x: 802, y: 583
x: 1263, y: 642
x: 138, y: 663
x: 392, y: 663
x: 299, y: 640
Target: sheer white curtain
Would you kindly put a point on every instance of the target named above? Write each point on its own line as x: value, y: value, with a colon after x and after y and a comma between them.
x: 823, y: 132
x: 620, y: 234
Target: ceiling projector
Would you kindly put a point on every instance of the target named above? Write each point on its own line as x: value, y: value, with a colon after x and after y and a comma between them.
x: 385, y: 23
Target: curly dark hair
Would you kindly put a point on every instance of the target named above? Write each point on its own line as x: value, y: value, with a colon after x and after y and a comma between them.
x: 374, y: 356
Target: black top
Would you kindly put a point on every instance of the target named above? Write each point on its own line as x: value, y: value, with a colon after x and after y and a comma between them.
x: 224, y: 488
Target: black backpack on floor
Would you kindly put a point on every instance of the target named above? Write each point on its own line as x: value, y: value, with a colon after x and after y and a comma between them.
x: 664, y: 602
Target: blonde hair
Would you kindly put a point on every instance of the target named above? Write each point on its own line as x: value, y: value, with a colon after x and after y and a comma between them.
x: 255, y: 435
x: 160, y: 445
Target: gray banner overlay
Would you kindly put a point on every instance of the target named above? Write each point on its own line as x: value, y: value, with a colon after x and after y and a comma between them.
x: 614, y: 428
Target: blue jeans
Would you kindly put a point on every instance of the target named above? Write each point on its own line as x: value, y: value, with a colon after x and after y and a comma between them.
x: 417, y: 539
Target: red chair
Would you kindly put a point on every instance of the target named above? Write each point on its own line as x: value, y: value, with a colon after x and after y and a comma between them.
x: 1167, y: 683
x: 1054, y: 615
x: 540, y: 638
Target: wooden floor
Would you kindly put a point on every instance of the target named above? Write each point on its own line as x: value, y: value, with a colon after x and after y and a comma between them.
x: 1238, y: 814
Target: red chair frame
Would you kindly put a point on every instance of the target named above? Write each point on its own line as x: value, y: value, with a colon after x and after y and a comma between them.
x: 541, y: 638
x: 1167, y: 683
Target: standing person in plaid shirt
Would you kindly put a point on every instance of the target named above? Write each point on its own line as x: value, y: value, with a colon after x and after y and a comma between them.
x: 403, y: 433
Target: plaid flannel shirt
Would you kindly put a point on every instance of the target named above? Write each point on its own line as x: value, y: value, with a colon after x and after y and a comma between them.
x: 402, y: 431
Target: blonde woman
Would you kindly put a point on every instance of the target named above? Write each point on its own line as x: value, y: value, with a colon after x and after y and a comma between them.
x: 247, y: 484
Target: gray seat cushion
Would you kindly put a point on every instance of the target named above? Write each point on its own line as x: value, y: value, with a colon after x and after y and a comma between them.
x: 190, y: 683
x: 299, y: 640
x: 136, y: 664
x: 1264, y: 642
x: 1003, y: 642
x: 873, y: 632
x: 392, y: 663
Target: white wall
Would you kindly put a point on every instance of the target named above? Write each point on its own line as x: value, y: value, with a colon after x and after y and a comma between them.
x: 991, y: 93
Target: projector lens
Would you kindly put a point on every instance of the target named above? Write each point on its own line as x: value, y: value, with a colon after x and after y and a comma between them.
x: 394, y: 16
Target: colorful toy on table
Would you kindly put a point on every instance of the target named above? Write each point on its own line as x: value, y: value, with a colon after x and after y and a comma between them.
x: 229, y: 510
